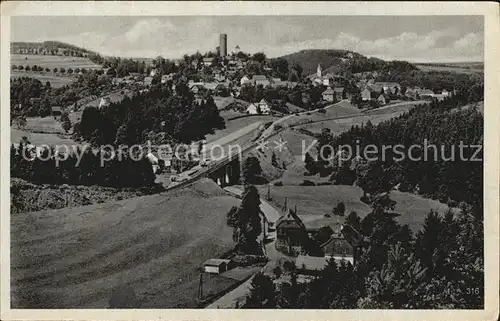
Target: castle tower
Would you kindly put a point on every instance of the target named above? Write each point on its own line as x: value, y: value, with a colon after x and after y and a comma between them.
x: 319, y: 71
x: 223, y: 45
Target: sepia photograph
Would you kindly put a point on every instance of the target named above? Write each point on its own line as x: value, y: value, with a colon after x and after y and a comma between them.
x: 248, y: 161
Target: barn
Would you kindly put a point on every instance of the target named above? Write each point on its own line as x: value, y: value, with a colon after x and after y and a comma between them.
x: 216, y: 266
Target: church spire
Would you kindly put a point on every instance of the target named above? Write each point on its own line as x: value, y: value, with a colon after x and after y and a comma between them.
x: 319, y: 72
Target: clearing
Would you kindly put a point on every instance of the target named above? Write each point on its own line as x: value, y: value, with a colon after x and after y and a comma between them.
x: 55, y: 81
x: 53, y: 61
x: 313, y: 202
x: 155, y: 244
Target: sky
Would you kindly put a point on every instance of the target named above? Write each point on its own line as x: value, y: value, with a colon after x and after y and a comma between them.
x: 411, y: 38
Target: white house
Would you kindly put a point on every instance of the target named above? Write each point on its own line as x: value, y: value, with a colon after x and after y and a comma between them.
x: 245, y: 80
x: 264, y: 107
x: 105, y: 102
x: 252, y: 109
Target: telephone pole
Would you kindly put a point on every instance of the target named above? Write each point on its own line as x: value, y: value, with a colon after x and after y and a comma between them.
x: 200, y: 287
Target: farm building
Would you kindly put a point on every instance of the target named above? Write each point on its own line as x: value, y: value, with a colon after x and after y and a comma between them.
x: 105, y: 102
x: 217, y: 266
x: 245, y: 80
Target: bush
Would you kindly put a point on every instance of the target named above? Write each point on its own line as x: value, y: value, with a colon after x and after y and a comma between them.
x: 307, y: 183
x: 278, y: 183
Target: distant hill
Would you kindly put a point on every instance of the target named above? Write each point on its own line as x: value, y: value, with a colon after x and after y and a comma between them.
x: 55, y: 48
x: 336, y: 60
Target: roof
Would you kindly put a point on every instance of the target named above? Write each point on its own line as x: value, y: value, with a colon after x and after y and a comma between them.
x: 426, y: 92
x: 216, y: 262
x: 208, y: 59
x: 337, y: 246
x: 338, y: 89
x: 263, y: 101
x: 259, y: 77
x: 328, y: 91
x: 311, y: 263
x: 291, y: 216
x: 56, y: 108
x: 376, y: 88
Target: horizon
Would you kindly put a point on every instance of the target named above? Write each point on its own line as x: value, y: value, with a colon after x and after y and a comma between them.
x: 416, y: 39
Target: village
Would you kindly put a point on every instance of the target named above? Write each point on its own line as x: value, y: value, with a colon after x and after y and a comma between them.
x: 264, y: 227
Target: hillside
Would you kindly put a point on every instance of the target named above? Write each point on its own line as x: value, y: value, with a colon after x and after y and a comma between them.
x: 309, y: 59
x: 74, y: 258
x: 49, y: 48
x: 336, y: 60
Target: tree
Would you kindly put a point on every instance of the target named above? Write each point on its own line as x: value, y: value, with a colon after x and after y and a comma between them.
x: 339, y: 210
x: 262, y: 294
x: 245, y: 221
x: 65, y: 122
x: 55, y: 70
x: 251, y: 170
x: 259, y: 57
x: 62, y: 70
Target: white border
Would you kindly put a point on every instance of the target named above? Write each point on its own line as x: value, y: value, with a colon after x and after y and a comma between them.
x: 491, y: 148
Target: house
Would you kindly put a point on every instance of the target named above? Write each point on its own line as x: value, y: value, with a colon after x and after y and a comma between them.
x: 339, y: 93
x: 245, y: 80
x: 411, y: 93
x: 104, y: 102
x: 261, y: 80
x: 291, y: 233
x: 252, y: 109
x: 366, y: 94
x: 389, y: 87
x: 166, y: 78
x: 216, y: 266
x: 338, y: 248
x: 197, y: 89
x: 219, y: 76
x: 56, y: 110
x: 208, y: 61
x: 445, y: 93
x: 264, y: 106
x: 381, y: 99
x: 148, y: 81
x: 425, y: 93
x: 153, y: 72
x: 329, y: 94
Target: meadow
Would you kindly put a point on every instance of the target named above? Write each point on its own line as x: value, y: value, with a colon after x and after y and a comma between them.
x: 313, y: 202
x: 55, y: 80
x: 75, y: 257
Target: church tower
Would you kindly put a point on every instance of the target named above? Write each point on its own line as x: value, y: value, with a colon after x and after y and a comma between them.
x: 319, y: 72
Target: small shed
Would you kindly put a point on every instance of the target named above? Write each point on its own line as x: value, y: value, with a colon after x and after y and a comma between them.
x: 56, y: 110
x: 216, y: 266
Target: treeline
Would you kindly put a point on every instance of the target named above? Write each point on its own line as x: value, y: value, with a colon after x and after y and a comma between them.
x: 55, y: 70
x: 174, y: 113
x: 441, y: 267
x: 434, y: 80
x: 363, y: 64
x: 447, y: 174
x: 117, y: 172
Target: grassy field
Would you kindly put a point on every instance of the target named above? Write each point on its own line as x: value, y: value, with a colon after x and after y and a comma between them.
x: 49, y: 124
x: 53, y: 61
x: 74, y: 258
x: 464, y: 68
x: 40, y: 138
x: 313, y: 202
x: 55, y: 81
